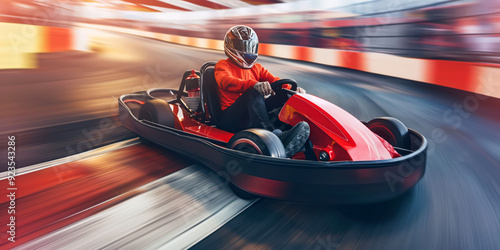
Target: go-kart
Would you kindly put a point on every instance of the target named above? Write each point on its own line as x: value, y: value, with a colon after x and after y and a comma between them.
x: 343, y: 161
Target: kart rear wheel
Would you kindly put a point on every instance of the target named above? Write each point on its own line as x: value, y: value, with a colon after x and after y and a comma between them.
x: 157, y: 111
x: 392, y: 130
x: 255, y: 141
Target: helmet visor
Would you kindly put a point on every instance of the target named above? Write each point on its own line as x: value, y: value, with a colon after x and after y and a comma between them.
x: 246, y: 46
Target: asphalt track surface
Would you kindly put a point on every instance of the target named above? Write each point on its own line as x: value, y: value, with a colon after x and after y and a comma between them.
x: 68, y: 105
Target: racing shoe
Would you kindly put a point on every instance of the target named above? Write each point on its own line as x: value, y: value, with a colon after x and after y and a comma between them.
x: 294, y: 139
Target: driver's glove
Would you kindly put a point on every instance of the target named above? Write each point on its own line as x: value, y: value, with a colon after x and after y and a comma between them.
x: 264, y: 88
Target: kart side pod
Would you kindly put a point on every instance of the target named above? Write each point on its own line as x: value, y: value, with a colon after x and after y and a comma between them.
x: 348, y: 140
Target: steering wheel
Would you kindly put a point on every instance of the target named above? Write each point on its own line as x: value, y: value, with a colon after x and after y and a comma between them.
x: 278, y: 84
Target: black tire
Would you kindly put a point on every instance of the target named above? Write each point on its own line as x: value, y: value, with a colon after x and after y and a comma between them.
x: 255, y: 141
x: 157, y: 111
x: 392, y: 130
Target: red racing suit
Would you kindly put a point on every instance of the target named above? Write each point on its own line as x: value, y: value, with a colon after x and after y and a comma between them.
x: 234, y: 81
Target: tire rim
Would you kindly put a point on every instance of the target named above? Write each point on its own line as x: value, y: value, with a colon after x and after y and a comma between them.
x: 246, y: 145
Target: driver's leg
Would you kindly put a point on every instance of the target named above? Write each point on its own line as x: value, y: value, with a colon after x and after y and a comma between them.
x: 274, y: 104
x: 248, y: 111
x: 277, y: 101
x: 294, y: 138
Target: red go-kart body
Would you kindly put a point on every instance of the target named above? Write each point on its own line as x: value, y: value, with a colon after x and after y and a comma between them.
x: 344, y: 161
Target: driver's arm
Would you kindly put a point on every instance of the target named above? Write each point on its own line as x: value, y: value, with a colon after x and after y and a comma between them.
x: 228, y: 82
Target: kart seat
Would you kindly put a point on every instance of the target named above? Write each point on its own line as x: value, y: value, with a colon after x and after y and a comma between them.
x: 211, y: 95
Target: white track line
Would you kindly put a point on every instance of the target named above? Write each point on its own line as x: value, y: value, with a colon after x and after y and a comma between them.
x: 204, y: 229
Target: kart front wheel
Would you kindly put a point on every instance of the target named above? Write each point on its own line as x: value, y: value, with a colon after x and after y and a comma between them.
x: 255, y: 141
x: 392, y: 130
x: 157, y: 111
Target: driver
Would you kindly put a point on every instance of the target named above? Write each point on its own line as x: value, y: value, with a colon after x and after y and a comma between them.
x: 243, y: 86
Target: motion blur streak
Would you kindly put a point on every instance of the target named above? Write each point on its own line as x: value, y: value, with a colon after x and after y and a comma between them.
x: 149, y: 220
x: 53, y: 197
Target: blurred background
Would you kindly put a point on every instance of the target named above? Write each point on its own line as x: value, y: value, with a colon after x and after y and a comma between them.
x: 85, y: 181
x: 458, y: 30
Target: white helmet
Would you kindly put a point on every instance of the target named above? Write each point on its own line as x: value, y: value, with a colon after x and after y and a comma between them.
x: 241, y: 44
